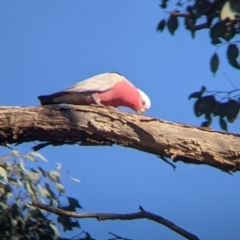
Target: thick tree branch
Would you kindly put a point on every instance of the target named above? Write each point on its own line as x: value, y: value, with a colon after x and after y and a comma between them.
x: 92, y: 125
x: 115, y: 216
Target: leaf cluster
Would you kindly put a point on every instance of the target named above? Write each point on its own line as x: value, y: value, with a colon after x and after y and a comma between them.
x: 20, y: 185
x: 213, y: 104
x: 221, y: 17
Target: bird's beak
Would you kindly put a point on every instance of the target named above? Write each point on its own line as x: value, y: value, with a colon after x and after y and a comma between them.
x: 140, y: 111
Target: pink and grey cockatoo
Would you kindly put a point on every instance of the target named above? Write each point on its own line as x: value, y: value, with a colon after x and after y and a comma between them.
x: 108, y: 89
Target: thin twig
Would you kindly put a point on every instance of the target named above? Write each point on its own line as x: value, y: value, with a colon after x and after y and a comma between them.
x: 229, y: 80
x: 179, y: 14
x: 228, y: 92
x: 116, y: 237
x: 166, y: 161
x: 6, y: 145
x: 115, y: 216
x: 201, y: 26
x: 189, y: 23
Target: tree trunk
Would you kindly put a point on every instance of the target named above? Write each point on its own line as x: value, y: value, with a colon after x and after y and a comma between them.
x: 94, y: 125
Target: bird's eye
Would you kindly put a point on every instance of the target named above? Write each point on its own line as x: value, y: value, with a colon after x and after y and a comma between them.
x: 143, y: 102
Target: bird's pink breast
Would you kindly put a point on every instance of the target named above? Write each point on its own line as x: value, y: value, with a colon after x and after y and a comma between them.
x: 122, y: 94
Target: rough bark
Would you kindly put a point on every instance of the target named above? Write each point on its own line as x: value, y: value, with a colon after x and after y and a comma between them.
x: 93, y: 125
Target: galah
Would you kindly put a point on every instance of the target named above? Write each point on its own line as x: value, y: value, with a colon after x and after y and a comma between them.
x: 108, y: 89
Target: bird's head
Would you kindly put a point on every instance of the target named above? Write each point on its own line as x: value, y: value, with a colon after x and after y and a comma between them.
x: 145, y: 102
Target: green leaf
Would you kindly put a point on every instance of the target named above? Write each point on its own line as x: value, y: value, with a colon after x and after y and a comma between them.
x: 234, y: 63
x: 3, y: 174
x: 229, y: 10
x: 203, y: 89
x: 8, y: 191
x: 163, y: 4
x: 206, y: 123
x: 2, y: 191
x: 59, y: 166
x: 29, y: 187
x: 201, y: 6
x: 39, y: 155
x: 15, y: 211
x: 88, y: 237
x: 223, y: 124
x: 36, y: 214
x: 53, y: 202
x: 44, y: 173
x: 232, y: 54
x: 33, y: 176
x: 43, y: 191
x: 29, y: 157
x: 190, y: 20
x: 54, y: 176
x: 235, y: 6
x: 20, y: 184
x: 230, y: 31
x: 16, y: 153
x: 195, y: 95
x: 75, y: 179
x: 232, y: 51
x: 214, y: 63
x: 217, y: 31
x: 75, y: 224
x: 69, y: 208
x: 55, y: 230
x: 74, y: 202
x: 13, y: 181
x: 3, y: 207
x: 197, y: 108
x: 172, y: 24
x: 51, y: 193
x: 205, y: 105
x: 233, y: 109
x: 161, y: 25
x: 60, y: 187
x: 22, y: 167
x: 66, y: 223
x: 4, y: 158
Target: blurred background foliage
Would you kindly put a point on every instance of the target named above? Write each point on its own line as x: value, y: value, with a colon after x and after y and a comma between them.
x: 21, y: 182
x: 222, y: 19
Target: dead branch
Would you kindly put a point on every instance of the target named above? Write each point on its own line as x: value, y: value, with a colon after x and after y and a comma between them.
x: 115, y: 216
x: 93, y: 125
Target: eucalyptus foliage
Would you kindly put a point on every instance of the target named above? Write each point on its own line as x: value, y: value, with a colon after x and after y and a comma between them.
x: 19, y: 185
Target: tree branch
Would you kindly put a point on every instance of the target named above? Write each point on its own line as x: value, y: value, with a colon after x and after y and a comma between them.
x: 95, y: 125
x: 116, y: 237
x: 115, y: 216
x: 179, y: 14
x: 189, y: 22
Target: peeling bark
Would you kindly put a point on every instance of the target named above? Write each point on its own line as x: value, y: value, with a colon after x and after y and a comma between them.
x: 94, y: 125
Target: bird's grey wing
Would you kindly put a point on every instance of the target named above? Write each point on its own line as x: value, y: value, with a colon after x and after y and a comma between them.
x: 99, y: 83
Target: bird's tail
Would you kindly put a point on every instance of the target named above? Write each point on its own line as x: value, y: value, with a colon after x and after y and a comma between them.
x: 61, y: 97
x: 46, y: 99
